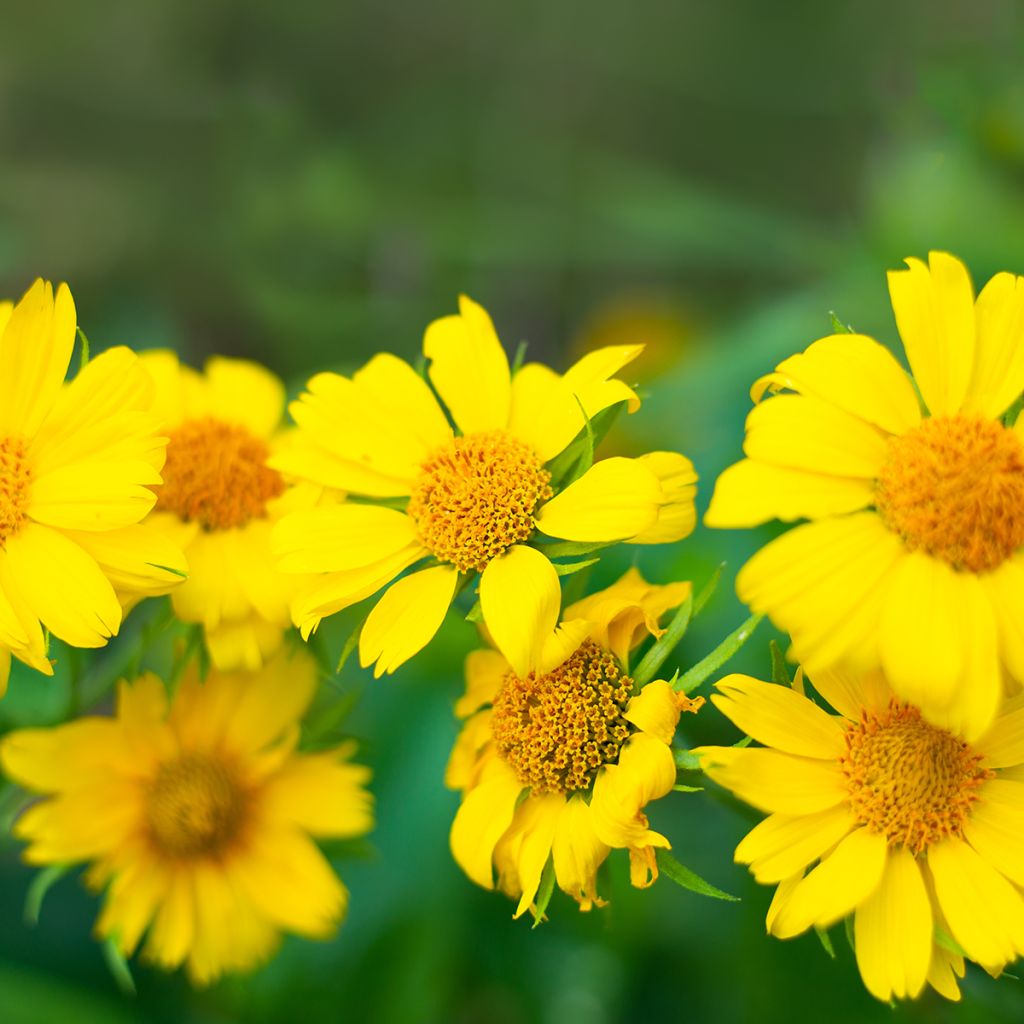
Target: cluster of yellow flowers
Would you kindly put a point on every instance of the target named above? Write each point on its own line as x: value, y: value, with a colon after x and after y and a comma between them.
x: 196, y: 804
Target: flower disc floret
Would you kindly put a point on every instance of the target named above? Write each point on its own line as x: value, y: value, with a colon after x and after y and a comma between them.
x: 195, y: 806
x: 908, y: 780
x: 557, y: 730
x: 954, y: 488
x: 15, y: 480
x: 476, y: 496
x: 216, y: 474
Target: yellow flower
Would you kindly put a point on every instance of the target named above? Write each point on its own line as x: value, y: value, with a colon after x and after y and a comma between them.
x: 914, y: 828
x: 561, y: 764
x: 196, y: 817
x: 913, y: 560
x: 472, y: 500
x: 220, y: 499
x: 75, y: 462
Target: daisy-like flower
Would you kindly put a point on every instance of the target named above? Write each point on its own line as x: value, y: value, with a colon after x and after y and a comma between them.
x: 196, y: 817
x: 76, y: 463
x: 561, y: 764
x: 470, y: 499
x: 913, y: 557
x: 220, y: 499
x: 915, y: 830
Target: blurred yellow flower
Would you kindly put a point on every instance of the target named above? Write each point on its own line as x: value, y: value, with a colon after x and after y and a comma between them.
x: 916, y: 831
x: 475, y: 499
x: 220, y: 499
x: 561, y: 764
x: 196, y: 816
x: 913, y: 559
x: 75, y: 462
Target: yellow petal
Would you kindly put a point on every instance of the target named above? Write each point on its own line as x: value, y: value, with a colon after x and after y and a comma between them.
x: 750, y: 493
x: 677, y: 514
x: 655, y: 710
x: 468, y: 757
x: 469, y: 368
x: 778, y: 716
x: 851, y: 693
x: 336, y: 538
x: 246, y: 393
x: 615, y: 499
x: 780, y: 899
x: 482, y: 817
x: 406, y: 618
x: 532, y: 831
x: 839, y: 884
x: 485, y: 672
x: 805, y: 433
x: 998, y: 376
x: 578, y: 853
x: 1003, y: 744
x: 136, y: 559
x: 825, y: 583
x: 595, y: 368
x: 943, y: 972
x: 893, y: 931
x: 35, y: 349
x: 311, y: 462
x: 784, y: 844
x: 174, y: 926
x: 984, y: 911
x: 774, y: 781
x: 860, y: 376
x: 520, y: 599
x: 131, y: 902
x: 934, y: 307
x: 1005, y: 587
x: 63, y: 586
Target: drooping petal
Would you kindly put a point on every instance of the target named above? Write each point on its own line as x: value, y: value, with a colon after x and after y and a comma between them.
x: 655, y: 710
x: 578, y: 853
x: 784, y: 844
x: 934, y: 307
x: 527, y: 843
x: 482, y: 817
x: 485, y: 672
x: 998, y: 376
x: 677, y: 515
x: 469, y: 368
x: 750, y: 493
x: 406, y: 618
x: 615, y: 499
x: 893, y: 931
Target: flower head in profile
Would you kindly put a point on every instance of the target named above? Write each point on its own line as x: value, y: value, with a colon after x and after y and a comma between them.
x: 76, y: 464
x: 878, y: 813
x: 196, y: 815
x: 220, y: 499
x: 913, y: 559
x: 470, y: 498
x: 560, y: 764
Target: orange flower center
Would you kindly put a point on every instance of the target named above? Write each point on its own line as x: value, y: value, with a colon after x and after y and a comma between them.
x: 475, y: 498
x: 15, y: 480
x: 216, y: 474
x: 954, y: 488
x: 557, y: 730
x: 194, y: 806
x: 908, y: 780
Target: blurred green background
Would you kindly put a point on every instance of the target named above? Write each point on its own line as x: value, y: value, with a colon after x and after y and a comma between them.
x: 307, y: 183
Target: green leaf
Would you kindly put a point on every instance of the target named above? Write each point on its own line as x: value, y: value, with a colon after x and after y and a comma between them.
x: 690, y: 680
x: 38, y: 888
x: 848, y: 928
x: 1011, y: 415
x: 83, y: 355
x: 544, y: 891
x: 350, y: 643
x: 826, y: 942
x: 948, y: 943
x: 838, y: 327
x: 568, y: 568
x: 780, y: 673
x: 680, y: 788
x: 166, y: 568
x: 665, y: 644
x: 568, y: 548
x: 519, y: 358
x: 565, y: 468
x: 475, y: 614
x: 687, y: 879
x: 707, y: 591
x: 686, y: 760
x: 118, y: 966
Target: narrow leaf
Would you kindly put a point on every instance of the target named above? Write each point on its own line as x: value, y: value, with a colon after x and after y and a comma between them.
x: 665, y: 644
x: 475, y: 614
x: 690, y: 680
x: 39, y: 887
x: 118, y: 966
x: 687, y: 879
x: 838, y: 327
x: 568, y: 568
x: 83, y: 355
x: 780, y: 673
x: 519, y: 358
x: 350, y: 643
x: 687, y: 761
x: 707, y: 591
x: 826, y: 942
x: 166, y: 568
x: 543, y: 898
x: 568, y: 548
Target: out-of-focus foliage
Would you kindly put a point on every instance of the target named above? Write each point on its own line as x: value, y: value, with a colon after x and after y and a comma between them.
x: 306, y: 183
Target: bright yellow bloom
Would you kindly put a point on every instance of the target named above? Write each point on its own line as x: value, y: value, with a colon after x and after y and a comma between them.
x: 473, y: 500
x: 197, y: 816
x: 916, y: 831
x: 220, y: 500
x: 913, y: 560
x: 75, y: 462
x: 561, y: 764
